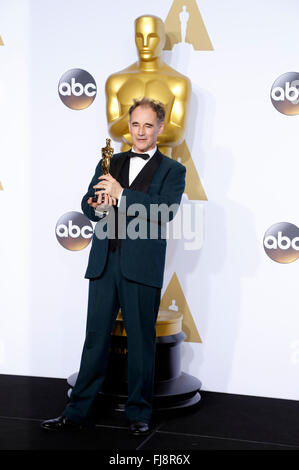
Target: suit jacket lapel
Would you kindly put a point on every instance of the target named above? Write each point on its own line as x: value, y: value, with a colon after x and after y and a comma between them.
x: 119, y: 169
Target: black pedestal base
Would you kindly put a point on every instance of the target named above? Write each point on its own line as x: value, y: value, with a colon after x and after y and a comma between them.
x: 173, y: 394
x: 173, y: 389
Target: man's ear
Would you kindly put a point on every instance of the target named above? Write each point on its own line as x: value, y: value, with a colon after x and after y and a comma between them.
x: 161, y: 128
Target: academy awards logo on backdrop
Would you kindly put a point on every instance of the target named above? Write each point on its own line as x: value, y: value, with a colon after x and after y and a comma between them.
x: 74, y: 231
x: 174, y: 300
x: 281, y: 242
x: 184, y: 24
x: 77, y: 89
x: 285, y: 93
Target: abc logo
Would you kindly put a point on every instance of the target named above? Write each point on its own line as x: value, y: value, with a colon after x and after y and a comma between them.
x: 77, y: 89
x: 281, y: 242
x: 74, y: 231
x: 285, y: 93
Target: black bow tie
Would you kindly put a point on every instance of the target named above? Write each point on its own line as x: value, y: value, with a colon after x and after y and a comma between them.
x: 145, y: 156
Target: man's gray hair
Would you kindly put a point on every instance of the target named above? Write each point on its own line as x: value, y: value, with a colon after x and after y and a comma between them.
x: 156, y: 106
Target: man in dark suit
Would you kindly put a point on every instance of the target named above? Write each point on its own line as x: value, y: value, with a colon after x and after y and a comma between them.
x: 126, y: 271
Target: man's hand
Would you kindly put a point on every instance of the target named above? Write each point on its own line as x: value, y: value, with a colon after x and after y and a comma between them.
x: 108, y: 201
x: 109, y: 185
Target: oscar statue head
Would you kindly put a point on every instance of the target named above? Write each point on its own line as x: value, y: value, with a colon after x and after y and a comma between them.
x: 149, y: 37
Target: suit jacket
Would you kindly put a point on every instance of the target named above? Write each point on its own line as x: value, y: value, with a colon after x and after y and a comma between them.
x: 161, y: 181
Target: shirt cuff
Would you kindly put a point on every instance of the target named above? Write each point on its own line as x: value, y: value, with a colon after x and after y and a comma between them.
x: 100, y: 213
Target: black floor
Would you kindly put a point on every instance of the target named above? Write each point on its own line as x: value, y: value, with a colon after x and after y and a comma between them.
x: 219, y: 422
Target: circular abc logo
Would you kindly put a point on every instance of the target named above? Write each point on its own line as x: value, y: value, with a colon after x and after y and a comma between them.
x: 74, y: 231
x: 285, y: 93
x: 77, y: 89
x: 281, y: 242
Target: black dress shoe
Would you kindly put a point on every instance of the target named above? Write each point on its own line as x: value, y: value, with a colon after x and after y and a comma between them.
x: 139, y: 428
x: 61, y: 423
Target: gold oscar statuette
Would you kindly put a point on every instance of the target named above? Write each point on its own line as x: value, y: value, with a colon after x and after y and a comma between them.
x: 107, y: 154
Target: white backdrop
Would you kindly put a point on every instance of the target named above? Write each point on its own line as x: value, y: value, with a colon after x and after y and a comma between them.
x: 244, y: 304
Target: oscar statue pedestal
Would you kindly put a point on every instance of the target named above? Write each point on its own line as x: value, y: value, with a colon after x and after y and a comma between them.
x: 173, y: 388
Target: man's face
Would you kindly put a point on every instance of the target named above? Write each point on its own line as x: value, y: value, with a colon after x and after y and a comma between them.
x: 144, y: 128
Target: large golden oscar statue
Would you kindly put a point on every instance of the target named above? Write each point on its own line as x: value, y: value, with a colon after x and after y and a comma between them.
x: 149, y: 77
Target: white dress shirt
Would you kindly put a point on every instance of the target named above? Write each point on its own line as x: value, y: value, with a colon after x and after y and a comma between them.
x: 136, y: 165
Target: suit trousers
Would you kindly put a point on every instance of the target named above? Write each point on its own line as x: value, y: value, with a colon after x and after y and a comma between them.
x: 139, y: 304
